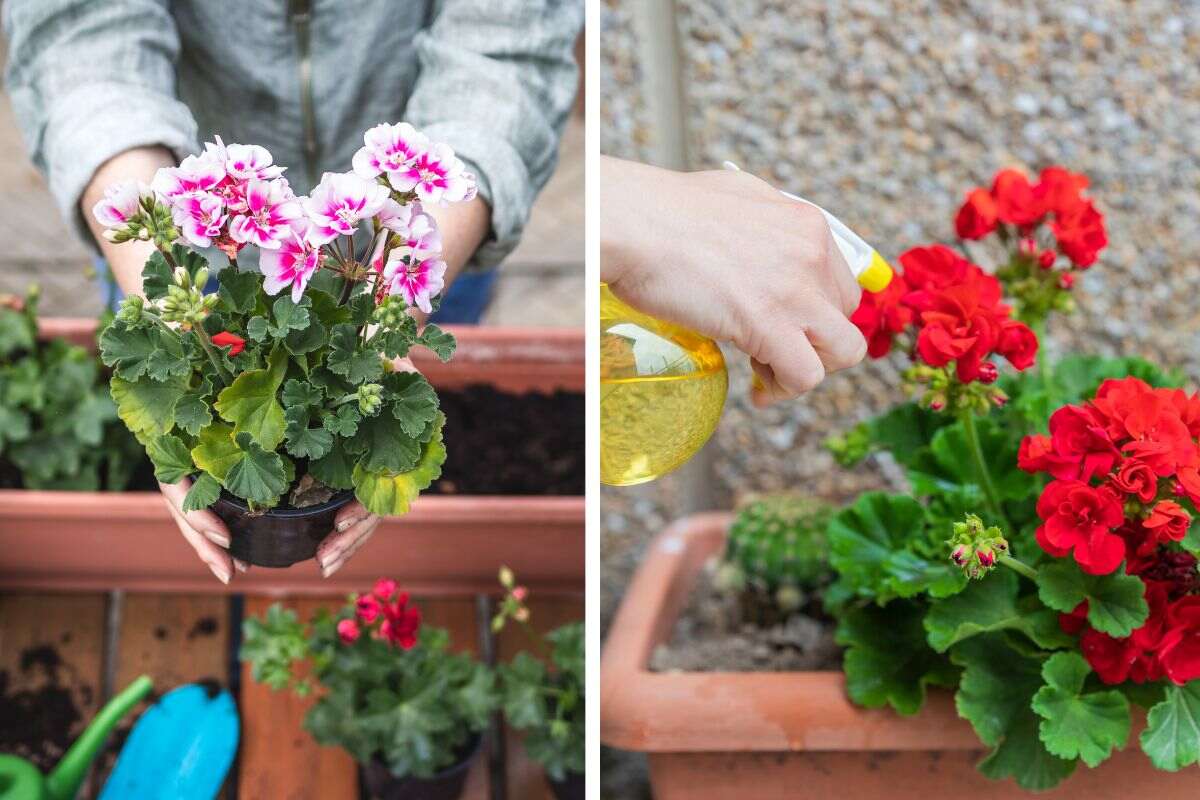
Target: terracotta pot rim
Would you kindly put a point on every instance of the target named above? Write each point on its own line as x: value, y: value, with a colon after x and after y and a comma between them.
x: 725, y: 712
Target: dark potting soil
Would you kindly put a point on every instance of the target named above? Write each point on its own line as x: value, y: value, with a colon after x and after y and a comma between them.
x: 36, y: 723
x: 504, y: 443
x: 710, y: 636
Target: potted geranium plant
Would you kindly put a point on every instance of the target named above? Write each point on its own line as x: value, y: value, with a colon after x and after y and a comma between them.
x: 1042, y: 564
x: 58, y: 426
x: 277, y: 394
x: 392, y: 694
x: 542, y: 695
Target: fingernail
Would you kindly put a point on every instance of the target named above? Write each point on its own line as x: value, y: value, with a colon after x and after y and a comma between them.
x: 220, y: 572
x: 347, y: 523
x: 241, y: 565
x: 218, y: 538
x: 329, y: 556
x: 332, y: 568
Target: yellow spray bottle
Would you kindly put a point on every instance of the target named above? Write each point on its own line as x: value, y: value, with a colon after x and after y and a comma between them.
x: 662, y: 386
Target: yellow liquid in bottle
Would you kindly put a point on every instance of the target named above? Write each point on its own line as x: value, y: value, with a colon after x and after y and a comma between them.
x: 662, y: 389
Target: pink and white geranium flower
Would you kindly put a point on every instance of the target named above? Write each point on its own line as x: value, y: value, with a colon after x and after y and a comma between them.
x: 200, y: 217
x: 121, y: 203
x: 437, y: 176
x: 416, y: 280
x: 244, y: 162
x: 271, y: 208
x: 194, y: 174
x: 293, y: 263
x: 339, y: 202
x: 389, y: 149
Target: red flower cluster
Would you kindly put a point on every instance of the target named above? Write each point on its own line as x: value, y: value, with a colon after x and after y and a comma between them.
x: 1058, y: 195
x: 957, y: 312
x: 1124, y: 465
x: 400, y: 621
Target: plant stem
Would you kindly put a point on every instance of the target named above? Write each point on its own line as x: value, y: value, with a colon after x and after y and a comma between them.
x: 981, y: 468
x: 537, y: 640
x: 1018, y: 566
x: 211, y: 351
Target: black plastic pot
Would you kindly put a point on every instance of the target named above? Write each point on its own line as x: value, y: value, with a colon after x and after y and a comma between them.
x: 446, y: 785
x: 572, y: 787
x: 279, y: 537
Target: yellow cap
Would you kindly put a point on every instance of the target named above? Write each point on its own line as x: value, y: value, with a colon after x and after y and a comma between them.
x: 877, y: 275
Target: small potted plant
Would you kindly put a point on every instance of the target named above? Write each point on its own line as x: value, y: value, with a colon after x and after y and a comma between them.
x: 58, y: 426
x: 1042, y: 565
x: 411, y: 712
x: 543, y: 695
x: 277, y: 395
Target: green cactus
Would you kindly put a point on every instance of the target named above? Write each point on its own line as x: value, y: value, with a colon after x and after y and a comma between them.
x: 776, y: 551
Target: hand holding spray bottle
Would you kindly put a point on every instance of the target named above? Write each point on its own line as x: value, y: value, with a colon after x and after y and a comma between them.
x: 662, y: 386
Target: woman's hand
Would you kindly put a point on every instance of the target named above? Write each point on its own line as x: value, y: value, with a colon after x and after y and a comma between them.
x: 204, y: 531
x: 727, y: 255
x: 352, y: 527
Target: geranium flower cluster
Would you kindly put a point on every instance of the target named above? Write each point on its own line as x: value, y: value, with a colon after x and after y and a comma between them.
x: 1016, y: 207
x: 953, y: 312
x: 384, y: 613
x: 1126, y: 486
x: 234, y: 195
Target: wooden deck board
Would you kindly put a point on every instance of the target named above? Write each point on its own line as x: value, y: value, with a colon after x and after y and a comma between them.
x: 526, y: 780
x: 36, y: 631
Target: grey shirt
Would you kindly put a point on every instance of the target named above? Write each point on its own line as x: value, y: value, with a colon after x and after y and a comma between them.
x: 494, y: 79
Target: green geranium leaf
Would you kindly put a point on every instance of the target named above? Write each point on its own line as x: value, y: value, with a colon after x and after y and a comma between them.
x: 384, y: 446
x: 15, y: 332
x: 250, y: 403
x: 1172, y: 735
x: 416, y: 402
x: 865, y: 535
x: 344, y: 422
x: 239, y: 290
x: 1116, y: 602
x: 335, y: 469
x: 134, y: 352
x: 988, y: 605
x: 147, y: 407
x: 192, y: 412
x: 391, y: 494
x: 303, y: 441
x: 257, y: 475
x: 204, y: 492
x: 289, y: 316
x: 90, y: 416
x: 995, y: 695
x: 1077, y: 724
x: 905, y: 431
x: 306, y: 339
x: 888, y: 661
x: 256, y: 328
x: 911, y: 574
x: 348, y: 359
x: 948, y: 466
x: 215, y: 451
x: 14, y: 426
x: 437, y: 340
x: 171, y: 458
x: 297, y: 393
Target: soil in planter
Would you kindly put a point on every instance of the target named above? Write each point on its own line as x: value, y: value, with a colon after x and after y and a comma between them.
x: 37, y: 724
x: 503, y: 443
x: 711, y: 637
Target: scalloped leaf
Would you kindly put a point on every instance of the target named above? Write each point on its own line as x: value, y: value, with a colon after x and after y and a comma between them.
x: 1078, y: 724
x: 1116, y: 602
x: 147, y: 407
x: 171, y: 458
x: 392, y: 494
x: 350, y: 360
x: 257, y: 475
x: 416, y: 403
x: 216, y: 451
x: 1172, y: 735
x: 204, y: 492
x: 250, y: 403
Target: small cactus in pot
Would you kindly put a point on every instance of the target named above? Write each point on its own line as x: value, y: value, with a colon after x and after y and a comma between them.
x: 775, y: 556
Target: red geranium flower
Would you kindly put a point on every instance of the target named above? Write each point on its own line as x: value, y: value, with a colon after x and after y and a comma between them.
x: 235, y: 343
x: 1078, y: 519
x: 348, y: 631
x: 1168, y: 521
x: 367, y: 607
x: 1180, y: 649
x: 880, y: 316
x: 1135, y: 478
x: 977, y: 217
x: 401, y: 623
x: 1018, y: 344
x: 1059, y: 190
x: 934, y: 267
x: 1080, y: 233
x: 1016, y: 201
x: 1082, y: 443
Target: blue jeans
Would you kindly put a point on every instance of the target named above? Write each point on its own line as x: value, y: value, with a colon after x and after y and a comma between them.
x: 463, y: 304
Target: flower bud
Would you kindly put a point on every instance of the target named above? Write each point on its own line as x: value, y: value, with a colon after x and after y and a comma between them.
x: 201, y: 279
x: 519, y: 593
x: 959, y: 555
x: 182, y: 278
x: 988, y: 372
x: 986, y: 556
x: 506, y: 577
x: 131, y: 309
x: 1028, y: 246
x: 370, y: 398
x: 1066, y: 280
x: 1047, y: 258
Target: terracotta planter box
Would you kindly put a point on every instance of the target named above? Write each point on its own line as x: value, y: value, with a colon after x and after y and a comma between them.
x: 796, y: 735
x: 446, y: 545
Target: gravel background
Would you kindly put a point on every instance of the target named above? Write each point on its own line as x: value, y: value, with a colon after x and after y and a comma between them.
x: 886, y: 113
